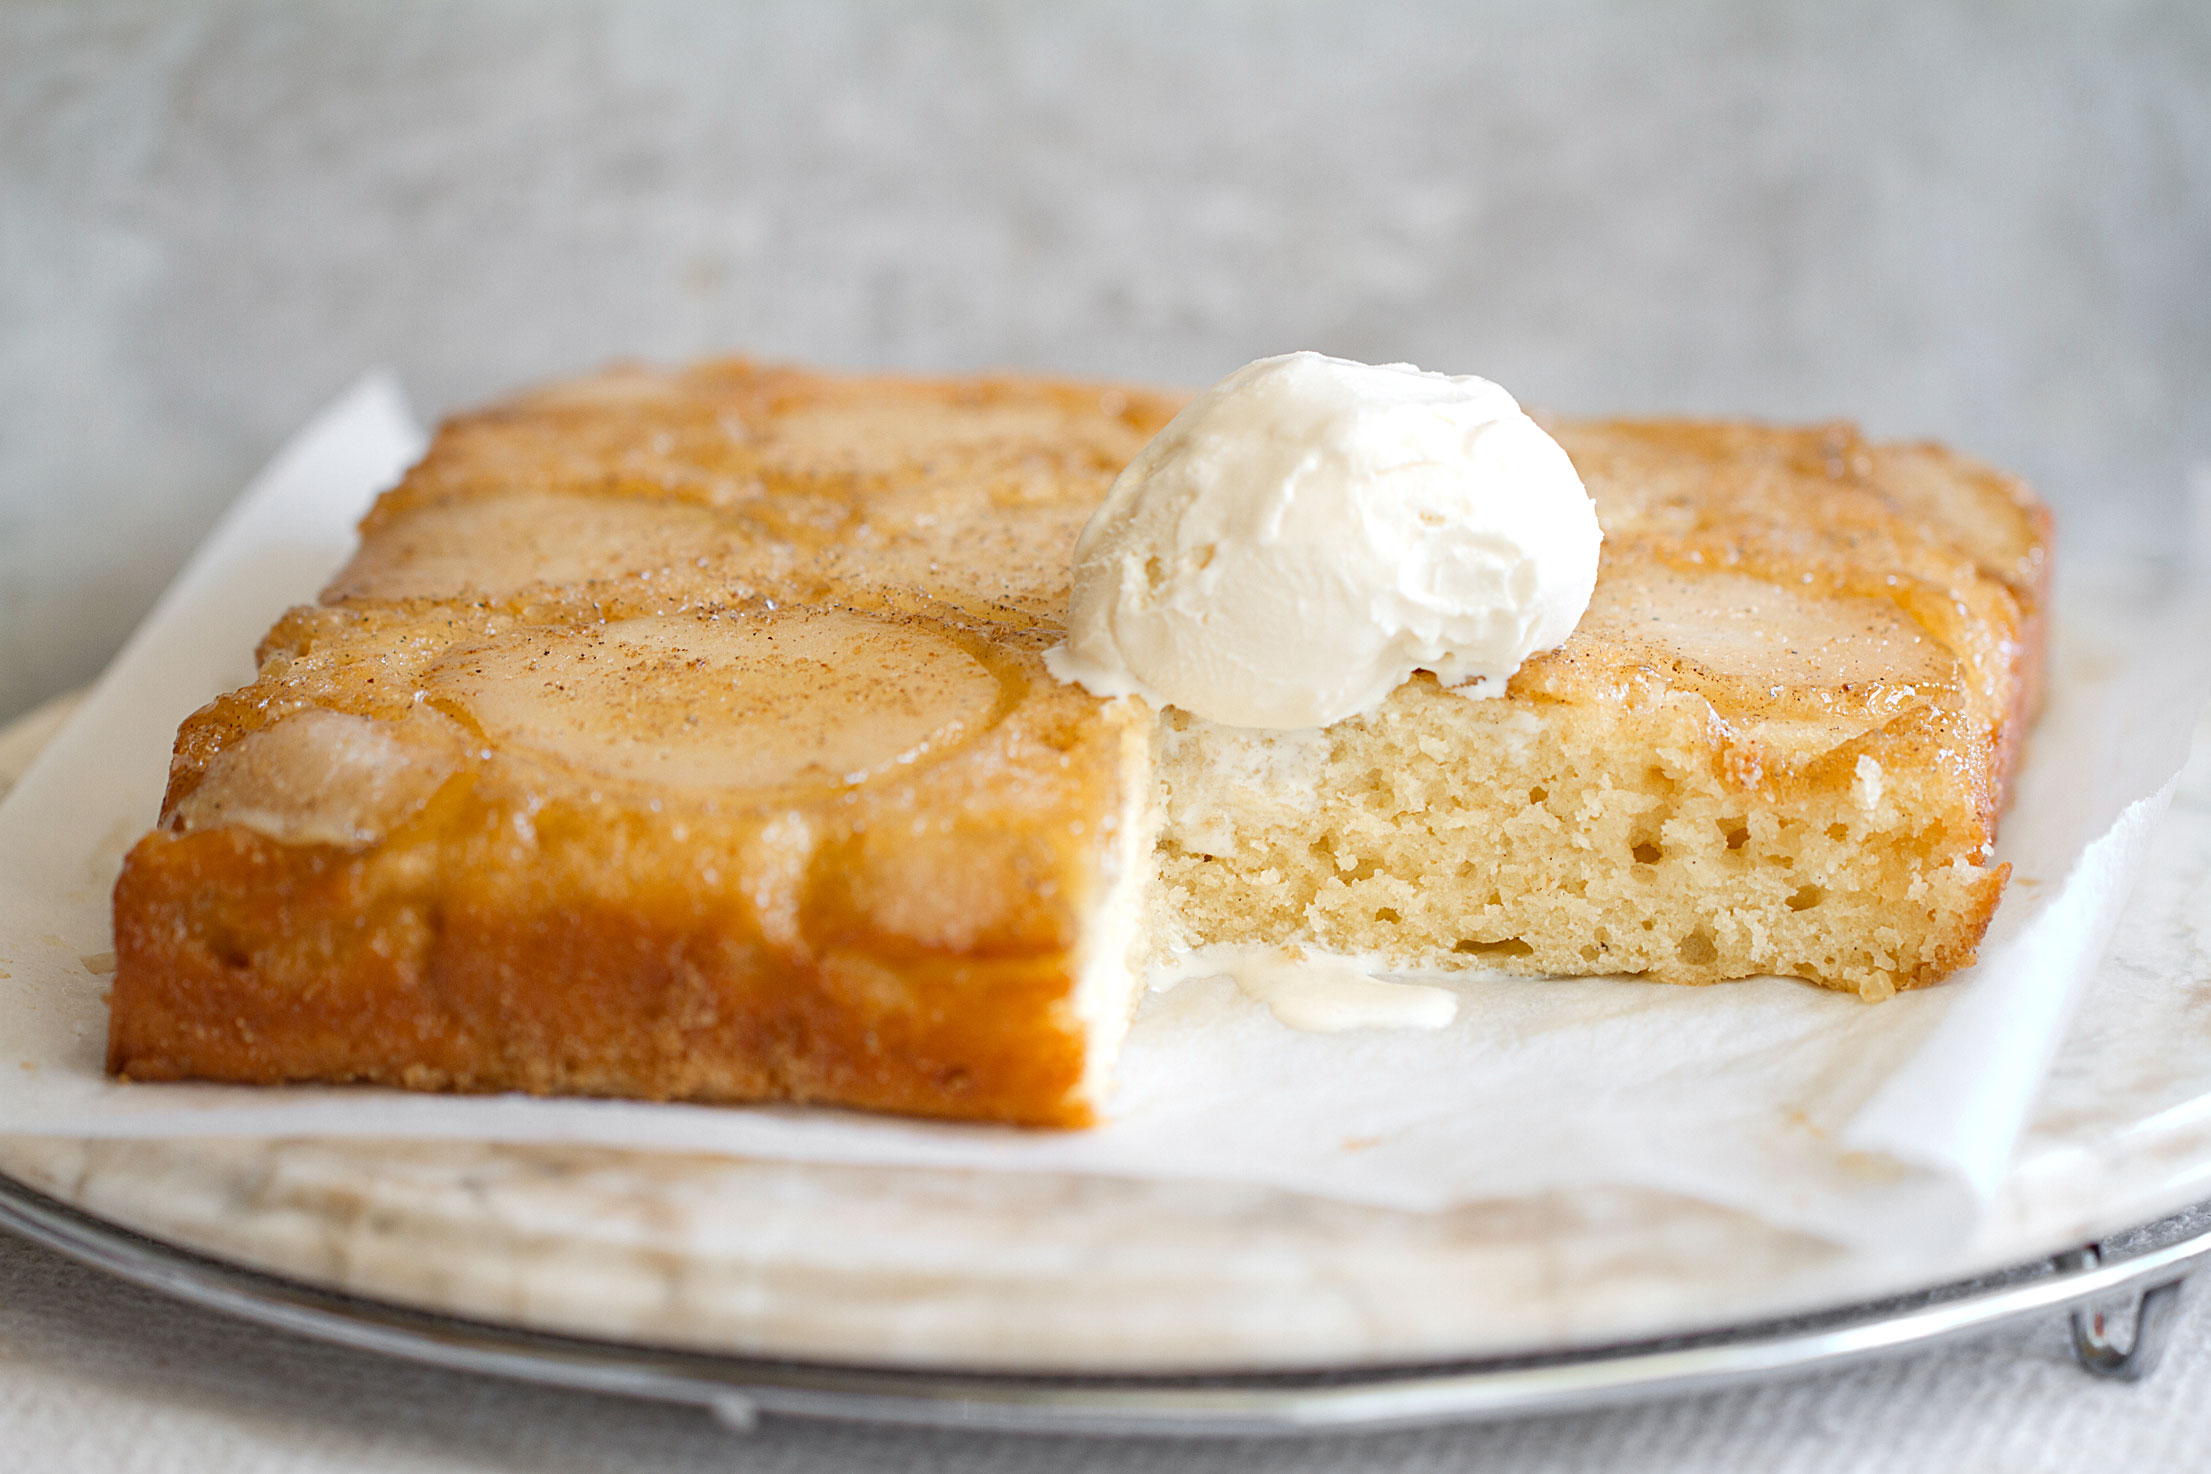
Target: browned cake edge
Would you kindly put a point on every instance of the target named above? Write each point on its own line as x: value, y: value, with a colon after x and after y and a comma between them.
x: 434, y: 961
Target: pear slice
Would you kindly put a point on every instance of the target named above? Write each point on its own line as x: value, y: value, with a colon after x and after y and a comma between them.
x: 496, y: 546
x: 1755, y: 645
x: 323, y: 777
x: 766, y: 700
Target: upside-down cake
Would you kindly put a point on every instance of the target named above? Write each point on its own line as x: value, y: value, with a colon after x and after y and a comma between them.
x: 687, y: 736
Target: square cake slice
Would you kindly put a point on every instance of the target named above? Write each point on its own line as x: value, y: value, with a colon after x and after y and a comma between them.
x: 1778, y: 741
x: 687, y: 736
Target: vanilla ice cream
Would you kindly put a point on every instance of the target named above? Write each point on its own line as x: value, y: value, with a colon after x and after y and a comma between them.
x: 1310, y: 531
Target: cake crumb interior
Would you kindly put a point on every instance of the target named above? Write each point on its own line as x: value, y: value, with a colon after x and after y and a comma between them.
x: 1443, y: 833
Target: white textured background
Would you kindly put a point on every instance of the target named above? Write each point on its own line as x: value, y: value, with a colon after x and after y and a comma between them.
x: 1987, y: 222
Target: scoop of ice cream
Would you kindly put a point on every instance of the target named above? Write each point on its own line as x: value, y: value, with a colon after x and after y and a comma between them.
x: 1310, y: 531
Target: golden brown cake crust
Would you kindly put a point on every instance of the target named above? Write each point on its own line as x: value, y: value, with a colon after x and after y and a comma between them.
x: 515, y: 806
x: 686, y: 736
x: 1959, y: 548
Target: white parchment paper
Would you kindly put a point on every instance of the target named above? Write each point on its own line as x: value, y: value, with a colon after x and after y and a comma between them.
x: 1881, y: 1126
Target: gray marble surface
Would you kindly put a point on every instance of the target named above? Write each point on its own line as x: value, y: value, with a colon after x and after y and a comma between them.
x: 97, y: 1377
x: 1983, y: 221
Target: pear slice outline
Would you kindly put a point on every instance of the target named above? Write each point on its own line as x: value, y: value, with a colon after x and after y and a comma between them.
x: 767, y: 701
